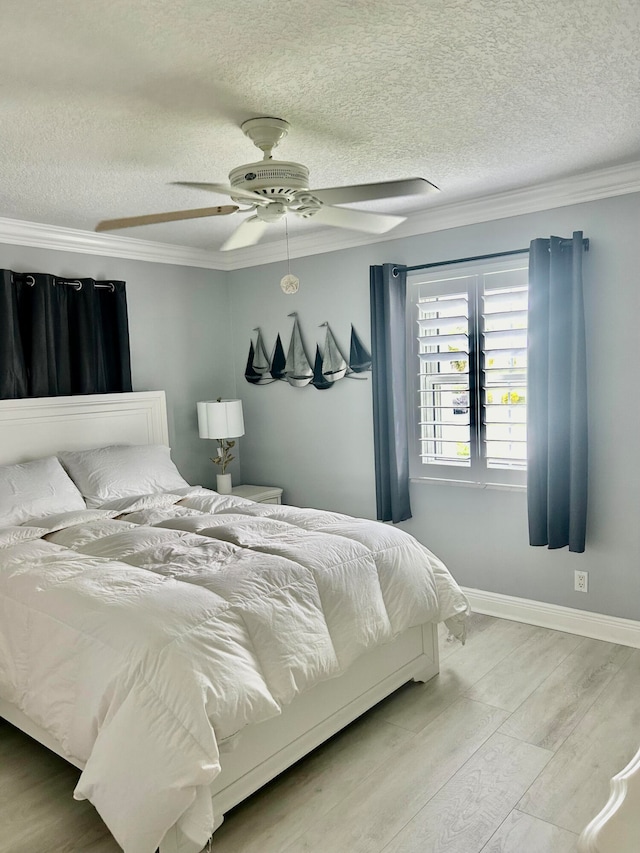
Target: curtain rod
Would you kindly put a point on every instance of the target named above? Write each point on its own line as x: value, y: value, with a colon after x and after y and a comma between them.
x: 72, y: 282
x: 585, y: 244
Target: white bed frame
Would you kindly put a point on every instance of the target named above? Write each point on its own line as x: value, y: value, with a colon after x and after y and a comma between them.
x: 33, y: 428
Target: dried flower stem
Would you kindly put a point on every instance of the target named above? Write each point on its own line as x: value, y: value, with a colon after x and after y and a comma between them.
x: 224, y: 456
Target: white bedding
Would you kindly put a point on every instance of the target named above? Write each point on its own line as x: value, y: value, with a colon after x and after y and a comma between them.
x: 145, y: 642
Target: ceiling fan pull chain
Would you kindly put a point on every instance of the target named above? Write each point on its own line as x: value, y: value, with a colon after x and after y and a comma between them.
x: 288, y: 283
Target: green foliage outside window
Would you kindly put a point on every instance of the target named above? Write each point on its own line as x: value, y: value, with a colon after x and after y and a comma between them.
x: 512, y: 398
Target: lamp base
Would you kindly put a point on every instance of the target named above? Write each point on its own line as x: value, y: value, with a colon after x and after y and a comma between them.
x: 223, y: 484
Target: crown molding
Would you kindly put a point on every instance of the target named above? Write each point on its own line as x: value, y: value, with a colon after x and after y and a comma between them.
x: 603, y: 183
x: 19, y: 232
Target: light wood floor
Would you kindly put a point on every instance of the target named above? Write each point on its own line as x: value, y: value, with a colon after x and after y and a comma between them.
x: 509, y: 750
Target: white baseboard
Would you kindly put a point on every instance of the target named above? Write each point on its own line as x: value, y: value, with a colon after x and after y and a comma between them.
x: 612, y: 629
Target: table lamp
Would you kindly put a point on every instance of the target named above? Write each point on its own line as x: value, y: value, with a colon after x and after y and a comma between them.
x: 221, y: 420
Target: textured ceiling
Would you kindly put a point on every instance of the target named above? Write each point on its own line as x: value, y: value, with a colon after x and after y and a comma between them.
x: 104, y: 102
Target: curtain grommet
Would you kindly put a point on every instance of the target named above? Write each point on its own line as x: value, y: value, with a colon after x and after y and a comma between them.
x: 77, y: 285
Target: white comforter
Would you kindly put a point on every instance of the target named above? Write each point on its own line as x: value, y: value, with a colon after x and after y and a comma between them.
x: 142, y: 643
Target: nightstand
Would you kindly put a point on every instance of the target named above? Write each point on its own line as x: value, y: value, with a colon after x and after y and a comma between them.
x: 259, y: 494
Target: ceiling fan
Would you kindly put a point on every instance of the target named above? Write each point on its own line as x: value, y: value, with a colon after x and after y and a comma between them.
x: 273, y: 188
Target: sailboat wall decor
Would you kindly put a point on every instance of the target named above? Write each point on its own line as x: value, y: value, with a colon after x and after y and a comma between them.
x: 249, y: 373
x: 329, y: 365
x: 279, y: 360
x: 359, y: 357
x: 334, y: 364
x: 319, y: 380
x: 297, y: 370
x: 258, y: 369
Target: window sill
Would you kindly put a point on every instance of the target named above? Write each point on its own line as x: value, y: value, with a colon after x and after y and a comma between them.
x: 469, y: 484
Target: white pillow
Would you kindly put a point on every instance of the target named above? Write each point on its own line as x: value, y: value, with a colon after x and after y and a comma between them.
x: 122, y: 470
x: 33, y: 489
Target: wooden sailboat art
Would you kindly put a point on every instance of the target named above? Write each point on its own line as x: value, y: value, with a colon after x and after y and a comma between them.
x: 297, y: 370
x: 334, y: 365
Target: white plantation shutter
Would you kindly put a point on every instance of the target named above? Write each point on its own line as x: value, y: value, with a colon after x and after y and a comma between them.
x: 504, y: 366
x: 468, y: 341
x: 444, y: 424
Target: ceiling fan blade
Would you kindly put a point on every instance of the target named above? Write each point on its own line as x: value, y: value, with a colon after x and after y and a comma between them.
x: 152, y: 218
x: 246, y: 234
x: 370, y: 192
x: 358, y: 220
x: 224, y: 189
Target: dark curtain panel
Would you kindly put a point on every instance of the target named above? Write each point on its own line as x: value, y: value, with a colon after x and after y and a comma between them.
x: 389, y: 374
x: 557, y: 395
x: 13, y: 371
x: 62, y: 337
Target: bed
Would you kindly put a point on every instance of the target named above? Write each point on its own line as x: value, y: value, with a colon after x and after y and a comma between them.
x: 132, y: 693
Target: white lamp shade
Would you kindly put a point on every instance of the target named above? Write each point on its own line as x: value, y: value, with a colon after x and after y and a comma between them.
x: 220, y: 419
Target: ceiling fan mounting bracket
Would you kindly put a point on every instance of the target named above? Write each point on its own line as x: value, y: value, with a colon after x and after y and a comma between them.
x: 265, y: 132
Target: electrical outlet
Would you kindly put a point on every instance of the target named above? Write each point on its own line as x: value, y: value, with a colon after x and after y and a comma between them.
x: 581, y: 581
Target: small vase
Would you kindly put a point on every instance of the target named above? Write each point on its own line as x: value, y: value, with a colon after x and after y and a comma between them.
x: 223, y: 484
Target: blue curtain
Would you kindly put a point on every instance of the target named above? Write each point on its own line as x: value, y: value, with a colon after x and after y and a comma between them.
x: 389, y: 374
x: 557, y: 395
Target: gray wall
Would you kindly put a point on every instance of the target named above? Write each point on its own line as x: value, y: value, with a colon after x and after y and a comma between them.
x: 318, y: 445
x: 179, y: 331
x: 190, y: 331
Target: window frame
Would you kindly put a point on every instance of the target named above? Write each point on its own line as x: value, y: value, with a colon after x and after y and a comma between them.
x: 477, y: 473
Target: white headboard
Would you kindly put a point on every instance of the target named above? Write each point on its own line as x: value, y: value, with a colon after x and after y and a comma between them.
x: 42, y: 426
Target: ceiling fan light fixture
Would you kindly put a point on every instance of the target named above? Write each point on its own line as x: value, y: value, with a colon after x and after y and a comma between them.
x: 272, y: 212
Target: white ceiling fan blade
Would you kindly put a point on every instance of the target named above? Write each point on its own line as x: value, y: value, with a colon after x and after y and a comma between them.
x: 174, y: 216
x: 246, y: 234
x: 224, y: 189
x: 370, y: 192
x: 358, y: 220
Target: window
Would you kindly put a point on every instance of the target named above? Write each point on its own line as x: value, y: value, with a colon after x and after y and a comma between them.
x: 468, y: 372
